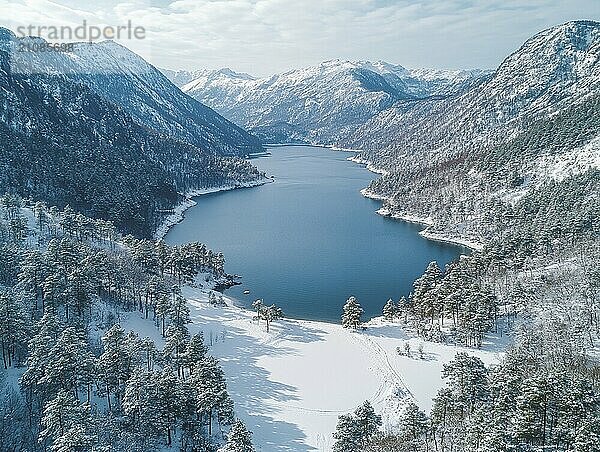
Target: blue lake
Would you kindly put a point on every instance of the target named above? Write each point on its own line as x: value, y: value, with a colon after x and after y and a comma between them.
x: 310, y: 240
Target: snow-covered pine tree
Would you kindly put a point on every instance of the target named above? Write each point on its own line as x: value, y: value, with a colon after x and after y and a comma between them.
x: 367, y: 420
x: 176, y: 343
x: 141, y: 400
x: 404, y: 307
x: 113, y: 364
x: 468, y: 381
x: 413, y: 422
x: 271, y: 313
x: 423, y: 297
x: 347, y: 435
x: 208, y: 383
x: 150, y: 352
x: 390, y: 310
x: 258, y: 307
x: 66, y: 422
x: 71, y: 364
x: 239, y: 438
x: 14, y: 328
x: 352, y: 313
x: 196, y: 351
x: 170, y: 402
x: 163, y: 306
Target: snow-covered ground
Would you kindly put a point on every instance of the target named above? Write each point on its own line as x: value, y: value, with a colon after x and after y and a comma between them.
x: 290, y: 385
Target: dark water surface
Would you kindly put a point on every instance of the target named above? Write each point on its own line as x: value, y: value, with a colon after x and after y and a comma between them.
x: 310, y: 239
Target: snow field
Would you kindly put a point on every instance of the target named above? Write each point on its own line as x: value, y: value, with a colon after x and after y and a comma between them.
x: 290, y: 386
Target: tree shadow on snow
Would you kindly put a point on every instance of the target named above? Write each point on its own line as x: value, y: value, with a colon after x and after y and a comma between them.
x: 250, y: 388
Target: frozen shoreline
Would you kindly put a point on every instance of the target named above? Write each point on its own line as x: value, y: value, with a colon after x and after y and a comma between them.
x: 178, y: 212
x: 427, y: 222
x: 369, y: 166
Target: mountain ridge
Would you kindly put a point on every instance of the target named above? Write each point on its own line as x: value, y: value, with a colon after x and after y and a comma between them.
x: 64, y: 143
x: 319, y: 104
x: 125, y: 78
x: 485, y: 146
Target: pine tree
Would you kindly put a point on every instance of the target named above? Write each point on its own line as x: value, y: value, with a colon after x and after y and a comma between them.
x: 367, y: 421
x: 354, y: 431
x: 239, y: 438
x: 14, y: 328
x: 39, y: 354
x: 179, y: 312
x: 33, y: 271
x: 423, y: 298
x: 413, y: 422
x: 176, y: 343
x: 163, y: 308
x: 347, y: 435
x: 468, y: 381
x: 196, y: 351
x: 390, y: 310
x: 141, y: 400
x: 208, y: 382
x: 271, y: 313
x: 71, y: 364
x: 150, y: 353
x: 352, y: 313
x: 258, y: 307
x: 66, y: 422
x: 114, y: 364
x: 170, y: 403
x: 403, y: 307
x: 532, y: 405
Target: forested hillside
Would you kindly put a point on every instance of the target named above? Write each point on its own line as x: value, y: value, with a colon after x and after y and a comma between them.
x: 117, y: 74
x: 74, y: 378
x: 513, y: 164
x: 62, y: 143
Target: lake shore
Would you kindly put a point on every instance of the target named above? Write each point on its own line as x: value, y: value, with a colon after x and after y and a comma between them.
x: 291, y: 409
x: 312, y: 183
x: 425, y: 221
x: 178, y: 213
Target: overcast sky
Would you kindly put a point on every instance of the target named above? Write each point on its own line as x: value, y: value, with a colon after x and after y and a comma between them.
x: 267, y: 36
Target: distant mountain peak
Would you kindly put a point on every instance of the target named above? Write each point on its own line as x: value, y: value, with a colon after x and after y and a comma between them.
x: 231, y: 73
x: 318, y: 103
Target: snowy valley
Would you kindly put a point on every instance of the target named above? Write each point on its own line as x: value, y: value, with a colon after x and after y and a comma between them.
x: 115, y: 340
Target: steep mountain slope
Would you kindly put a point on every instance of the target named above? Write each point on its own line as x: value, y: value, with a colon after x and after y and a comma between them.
x: 62, y: 143
x: 320, y: 104
x: 119, y: 75
x: 465, y: 162
x: 552, y: 70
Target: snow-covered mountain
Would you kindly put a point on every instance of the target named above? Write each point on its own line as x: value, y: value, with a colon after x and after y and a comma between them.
x: 461, y: 161
x: 552, y: 70
x: 320, y: 104
x: 123, y: 77
x: 63, y: 142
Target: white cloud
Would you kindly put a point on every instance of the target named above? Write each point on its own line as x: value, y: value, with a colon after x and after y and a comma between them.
x: 265, y: 36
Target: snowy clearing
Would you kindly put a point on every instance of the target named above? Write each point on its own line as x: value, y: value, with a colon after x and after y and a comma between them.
x: 290, y: 385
